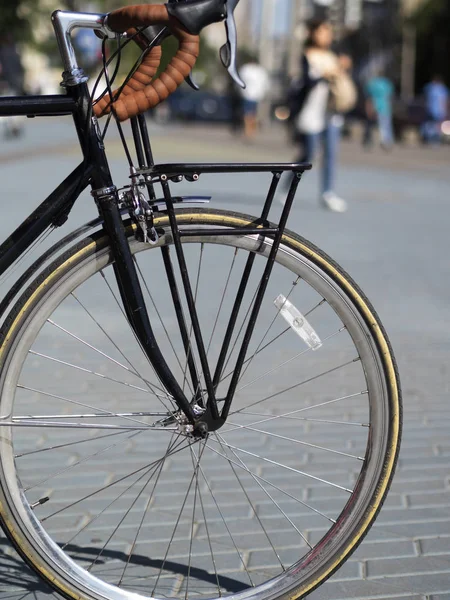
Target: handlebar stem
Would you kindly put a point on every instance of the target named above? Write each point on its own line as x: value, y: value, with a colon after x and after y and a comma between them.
x: 64, y: 23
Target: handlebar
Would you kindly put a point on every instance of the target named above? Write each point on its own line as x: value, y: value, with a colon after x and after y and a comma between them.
x: 142, y: 92
x: 184, y: 20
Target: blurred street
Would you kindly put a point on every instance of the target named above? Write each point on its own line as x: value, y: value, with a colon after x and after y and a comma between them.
x: 394, y: 241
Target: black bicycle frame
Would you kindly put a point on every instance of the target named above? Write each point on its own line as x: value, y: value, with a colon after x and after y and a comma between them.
x: 94, y: 171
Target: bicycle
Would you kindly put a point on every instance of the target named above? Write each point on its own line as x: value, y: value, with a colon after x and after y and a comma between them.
x: 211, y: 477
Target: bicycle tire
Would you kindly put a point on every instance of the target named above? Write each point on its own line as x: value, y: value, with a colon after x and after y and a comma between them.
x: 357, y: 514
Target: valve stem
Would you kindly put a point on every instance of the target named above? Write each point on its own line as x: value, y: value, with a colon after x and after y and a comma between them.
x: 39, y: 502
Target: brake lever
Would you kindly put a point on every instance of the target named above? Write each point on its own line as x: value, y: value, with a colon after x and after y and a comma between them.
x: 228, y: 52
x: 190, y: 81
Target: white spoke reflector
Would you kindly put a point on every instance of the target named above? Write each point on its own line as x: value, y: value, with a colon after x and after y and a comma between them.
x: 298, y: 322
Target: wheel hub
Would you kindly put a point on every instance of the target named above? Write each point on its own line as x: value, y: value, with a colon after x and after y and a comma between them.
x: 203, y: 426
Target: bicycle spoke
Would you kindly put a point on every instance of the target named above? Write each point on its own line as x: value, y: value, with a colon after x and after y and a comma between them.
x: 126, y: 490
x: 9, y: 272
x: 147, y: 506
x: 167, y: 396
x: 287, y: 362
x: 273, y: 340
x: 256, y: 480
x: 75, y: 337
x: 74, y: 425
x: 266, y: 333
x: 305, y: 408
x: 225, y: 523
x: 108, y: 486
x: 205, y: 520
x: 76, y: 403
x: 326, y: 421
x: 271, y: 484
x: 91, y: 416
x: 175, y: 528
x: 79, y: 462
x: 67, y: 444
x: 151, y: 386
x: 241, y: 328
x: 247, y: 360
x: 314, y: 308
x: 218, y: 438
x: 133, y: 504
x: 287, y: 467
x: 116, y: 346
x: 222, y: 299
x: 190, y: 351
x: 288, y: 439
x: 159, y: 316
x: 84, y: 370
x: 194, y: 507
x: 261, y: 348
x: 297, y: 385
x: 198, y: 390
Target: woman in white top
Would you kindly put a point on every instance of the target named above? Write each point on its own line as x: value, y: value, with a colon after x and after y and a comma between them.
x: 315, y: 121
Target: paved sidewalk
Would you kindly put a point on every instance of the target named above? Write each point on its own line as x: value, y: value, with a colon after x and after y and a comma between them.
x: 394, y: 241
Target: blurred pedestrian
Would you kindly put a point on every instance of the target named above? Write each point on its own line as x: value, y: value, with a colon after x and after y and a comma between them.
x: 257, y: 84
x: 11, y: 69
x: 379, y: 96
x: 325, y: 93
x: 12, y: 77
x: 437, y: 98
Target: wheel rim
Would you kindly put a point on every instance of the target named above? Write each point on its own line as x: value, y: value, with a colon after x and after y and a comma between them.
x: 236, y: 570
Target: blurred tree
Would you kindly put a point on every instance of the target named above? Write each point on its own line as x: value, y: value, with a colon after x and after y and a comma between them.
x: 14, y: 18
x: 20, y: 18
x: 427, y: 15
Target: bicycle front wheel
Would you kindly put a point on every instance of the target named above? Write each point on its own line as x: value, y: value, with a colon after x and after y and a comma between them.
x: 106, y: 495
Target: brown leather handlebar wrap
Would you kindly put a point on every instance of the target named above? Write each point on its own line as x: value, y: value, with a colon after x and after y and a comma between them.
x: 141, y: 92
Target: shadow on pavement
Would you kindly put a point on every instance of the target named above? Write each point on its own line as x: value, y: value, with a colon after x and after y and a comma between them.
x: 17, y: 580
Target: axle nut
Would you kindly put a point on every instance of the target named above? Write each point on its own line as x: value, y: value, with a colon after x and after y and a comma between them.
x: 201, y: 430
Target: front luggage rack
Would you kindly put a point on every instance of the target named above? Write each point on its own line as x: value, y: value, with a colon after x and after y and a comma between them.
x: 165, y: 174
x: 177, y: 172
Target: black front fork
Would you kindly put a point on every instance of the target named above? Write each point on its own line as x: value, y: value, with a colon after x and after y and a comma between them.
x: 130, y: 289
x: 106, y: 196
